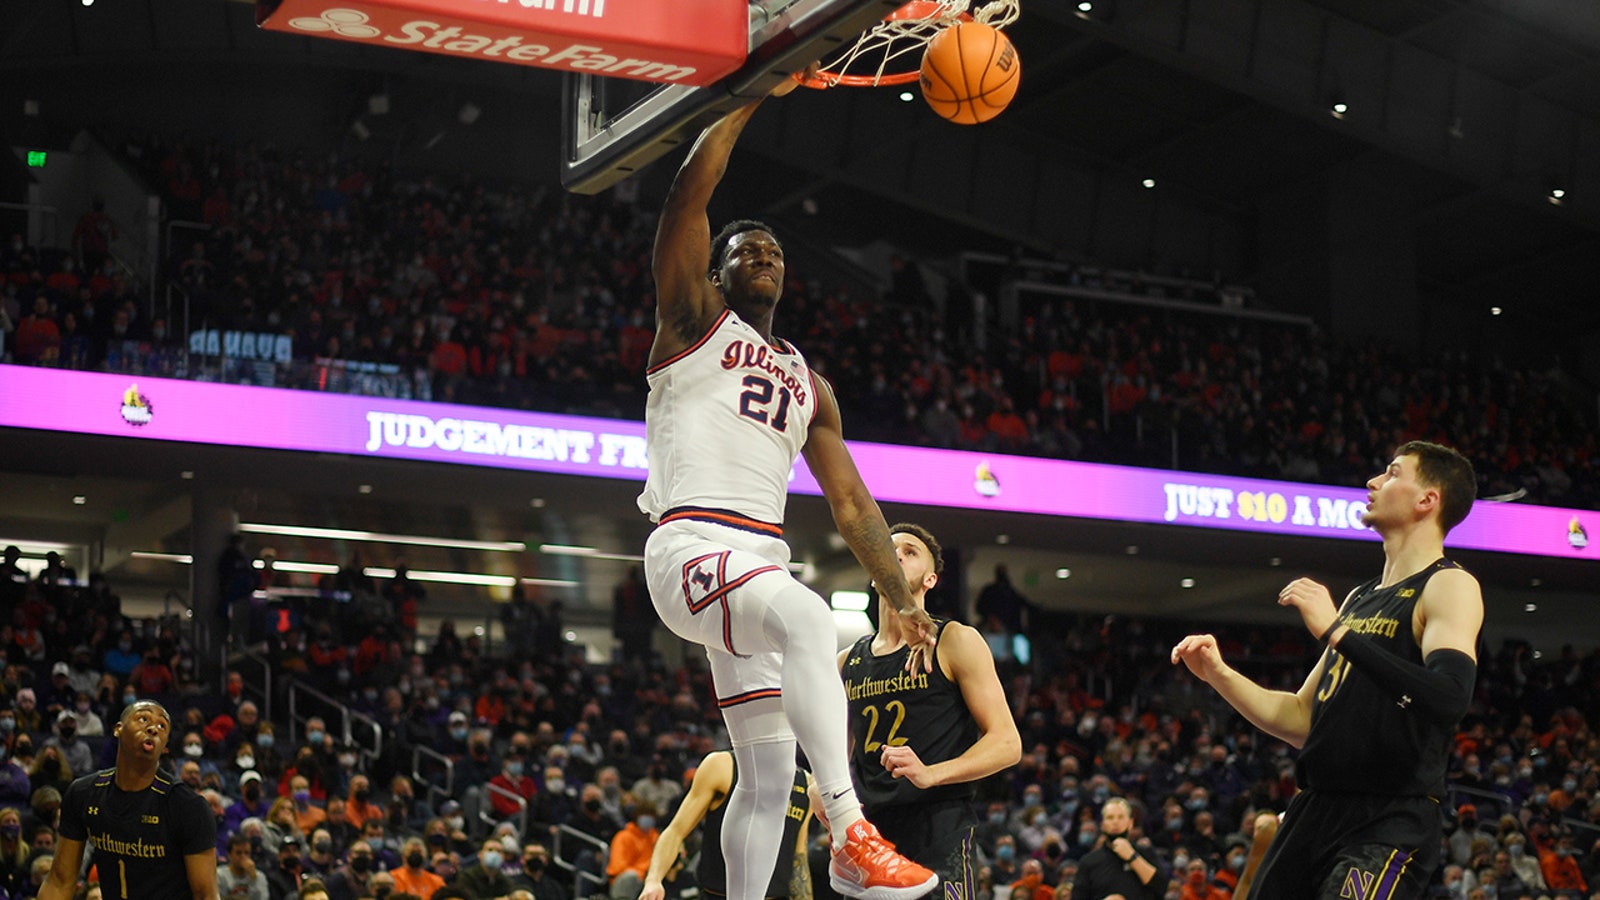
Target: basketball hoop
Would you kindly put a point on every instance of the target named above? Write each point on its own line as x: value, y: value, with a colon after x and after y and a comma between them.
x: 906, y: 30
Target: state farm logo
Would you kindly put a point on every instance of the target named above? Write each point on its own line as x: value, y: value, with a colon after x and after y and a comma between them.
x: 350, y: 23
x: 466, y: 38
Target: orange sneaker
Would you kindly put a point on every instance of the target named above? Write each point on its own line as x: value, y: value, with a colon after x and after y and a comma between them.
x: 868, y: 868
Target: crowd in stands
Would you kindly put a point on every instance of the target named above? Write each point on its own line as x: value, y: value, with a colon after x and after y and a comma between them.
x: 524, y: 296
x: 557, y: 767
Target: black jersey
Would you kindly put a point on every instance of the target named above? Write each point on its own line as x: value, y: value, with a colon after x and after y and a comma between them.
x: 1363, y: 740
x: 138, y: 839
x: 889, y: 705
x: 712, y: 873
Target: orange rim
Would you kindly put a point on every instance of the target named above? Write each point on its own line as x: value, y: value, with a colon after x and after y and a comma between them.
x: 915, y: 9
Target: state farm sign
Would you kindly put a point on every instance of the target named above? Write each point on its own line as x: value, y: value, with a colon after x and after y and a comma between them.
x: 683, y: 42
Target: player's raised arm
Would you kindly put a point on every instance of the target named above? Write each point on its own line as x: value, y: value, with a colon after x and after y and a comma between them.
x: 686, y: 300
x: 857, y: 516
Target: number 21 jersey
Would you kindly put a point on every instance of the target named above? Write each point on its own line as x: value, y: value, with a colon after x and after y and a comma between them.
x: 724, y: 422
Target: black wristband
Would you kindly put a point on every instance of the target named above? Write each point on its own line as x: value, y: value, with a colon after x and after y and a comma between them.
x: 1323, y: 640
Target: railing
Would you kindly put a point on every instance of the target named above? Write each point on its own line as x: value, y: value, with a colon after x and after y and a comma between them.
x: 424, y: 778
x: 1491, y: 804
x: 264, y: 690
x: 331, y: 710
x: 486, y: 813
x: 580, y: 878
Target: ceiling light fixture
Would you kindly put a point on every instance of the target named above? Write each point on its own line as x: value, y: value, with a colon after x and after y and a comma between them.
x: 1063, y: 573
x: 182, y: 559
x: 1339, y: 109
x: 1186, y: 583
x: 850, y: 601
x: 415, y: 540
x: 1148, y: 183
x: 79, y: 499
x: 587, y: 552
x: 550, y: 582
x: 472, y: 578
x: 303, y: 568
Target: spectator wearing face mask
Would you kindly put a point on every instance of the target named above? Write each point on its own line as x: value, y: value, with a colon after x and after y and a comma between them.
x: 514, y: 780
x: 485, y: 879
x: 50, y: 769
x: 284, y: 878
x: 251, y: 803
x: 1234, y: 856
x: 556, y: 803
x: 630, y: 853
x: 359, y: 807
x: 1559, y: 865
x: 1196, y: 885
x: 14, y: 852
x: 307, y: 815
x: 66, y: 740
x: 1005, y: 869
x: 15, y: 787
x: 90, y: 725
x: 535, y: 878
x: 353, y: 880
x: 412, y: 876
x: 322, y: 856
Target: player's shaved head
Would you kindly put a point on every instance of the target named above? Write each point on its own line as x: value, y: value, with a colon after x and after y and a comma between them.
x: 132, y: 708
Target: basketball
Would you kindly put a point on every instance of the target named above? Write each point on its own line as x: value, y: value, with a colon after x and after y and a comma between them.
x: 970, y: 72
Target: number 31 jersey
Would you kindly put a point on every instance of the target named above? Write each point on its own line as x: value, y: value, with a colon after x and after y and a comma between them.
x: 724, y: 422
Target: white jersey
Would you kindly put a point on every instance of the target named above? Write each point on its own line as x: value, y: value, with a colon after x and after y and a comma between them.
x: 723, y: 424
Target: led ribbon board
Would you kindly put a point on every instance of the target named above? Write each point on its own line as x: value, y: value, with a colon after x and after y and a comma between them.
x: 280, y: 419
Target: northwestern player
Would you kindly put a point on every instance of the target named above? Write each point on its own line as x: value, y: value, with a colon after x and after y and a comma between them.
x: 1375, y: 718
x: 153, y: 836
x: 706, y: 803
x: 730, y: 407
x: 919, y: 741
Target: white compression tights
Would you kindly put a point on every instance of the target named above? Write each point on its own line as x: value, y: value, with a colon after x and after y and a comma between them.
x: 799, y: 625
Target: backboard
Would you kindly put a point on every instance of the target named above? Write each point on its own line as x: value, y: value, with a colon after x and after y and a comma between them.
x: 612, y: 127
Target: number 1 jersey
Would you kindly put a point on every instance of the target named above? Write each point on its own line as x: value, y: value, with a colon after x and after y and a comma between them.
x: 138, y: 839
x: 724, y: 422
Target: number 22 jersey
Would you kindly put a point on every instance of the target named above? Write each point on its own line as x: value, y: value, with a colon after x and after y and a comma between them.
x: 137, y: 840
x: 724, y: 422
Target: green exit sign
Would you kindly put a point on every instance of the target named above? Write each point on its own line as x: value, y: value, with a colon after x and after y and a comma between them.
x: 35, y: 159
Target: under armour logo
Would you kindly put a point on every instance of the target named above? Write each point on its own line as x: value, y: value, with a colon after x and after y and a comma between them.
x: 350, y: 23
x: 1404, y: 701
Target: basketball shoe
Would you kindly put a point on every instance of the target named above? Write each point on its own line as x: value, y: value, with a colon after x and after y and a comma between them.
x: 868, y: 868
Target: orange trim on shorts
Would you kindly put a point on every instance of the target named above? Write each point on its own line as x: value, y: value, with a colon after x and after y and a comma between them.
x: 691, y: 348
x: 721, y: 517
x: 748, y: 696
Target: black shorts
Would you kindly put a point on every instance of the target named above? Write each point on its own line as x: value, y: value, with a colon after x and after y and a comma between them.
x: 937, y: 835
x: 1333, y: 846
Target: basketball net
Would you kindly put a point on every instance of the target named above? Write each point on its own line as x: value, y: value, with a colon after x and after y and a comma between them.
x: 906, y: 30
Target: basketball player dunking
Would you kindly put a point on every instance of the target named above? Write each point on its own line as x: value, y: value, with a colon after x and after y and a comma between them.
x: 919, y: 743
x: 730, y: 407
x: 1375, y: 719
